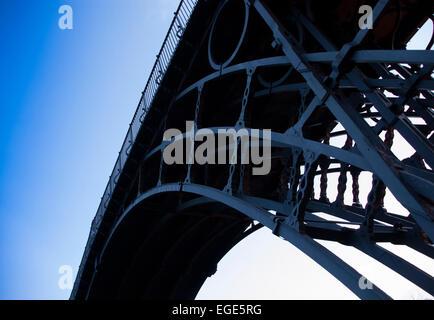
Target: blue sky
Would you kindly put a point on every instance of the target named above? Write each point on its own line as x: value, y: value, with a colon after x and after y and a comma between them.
x: 66, y: 99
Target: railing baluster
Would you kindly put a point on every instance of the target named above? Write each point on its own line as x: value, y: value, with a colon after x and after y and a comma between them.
x: 342, y: 182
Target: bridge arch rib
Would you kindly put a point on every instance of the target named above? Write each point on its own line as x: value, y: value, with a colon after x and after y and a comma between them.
x: 187, y: 237
x: 165, y: 255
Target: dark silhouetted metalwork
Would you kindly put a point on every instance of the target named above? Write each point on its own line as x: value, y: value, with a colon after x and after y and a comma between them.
x: 328, y: 91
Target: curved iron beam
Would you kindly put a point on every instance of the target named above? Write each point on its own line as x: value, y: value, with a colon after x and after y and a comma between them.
x: 384, y: 256
x: 291, y: 140
x: 329, y: 261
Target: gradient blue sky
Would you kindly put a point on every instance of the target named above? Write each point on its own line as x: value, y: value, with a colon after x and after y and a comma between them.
x: 66, y: 99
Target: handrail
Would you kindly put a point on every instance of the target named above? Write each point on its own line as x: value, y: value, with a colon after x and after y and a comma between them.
x: 176, y: 30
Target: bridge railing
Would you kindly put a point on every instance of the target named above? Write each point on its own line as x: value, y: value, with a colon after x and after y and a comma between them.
x: 176, y: 30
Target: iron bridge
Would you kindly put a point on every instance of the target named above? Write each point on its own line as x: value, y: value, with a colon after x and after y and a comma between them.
x: 336, y: 97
